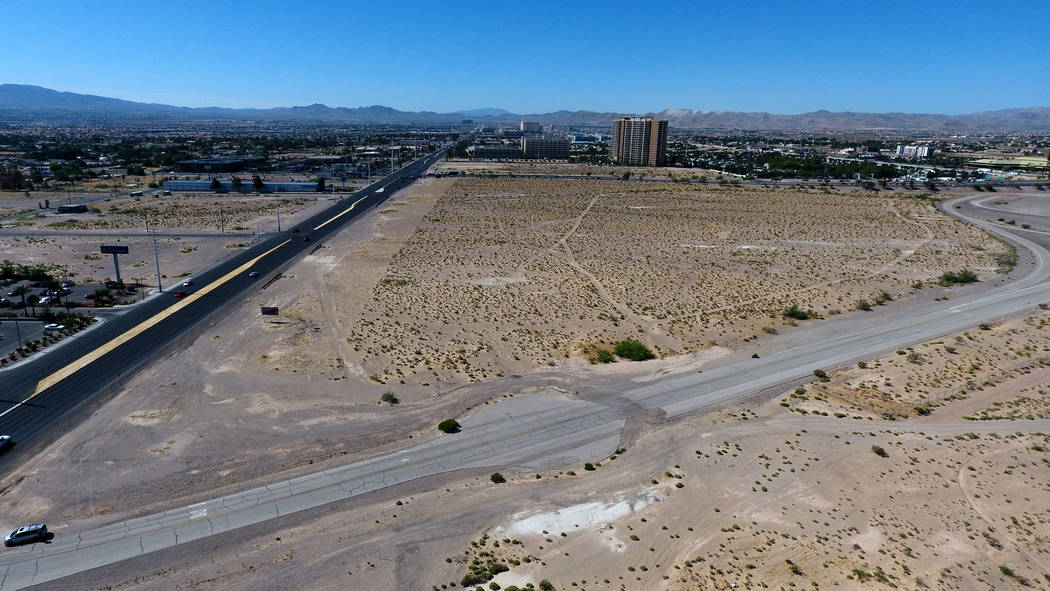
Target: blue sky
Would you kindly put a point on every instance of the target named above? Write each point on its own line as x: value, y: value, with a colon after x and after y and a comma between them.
x: 778, y: 56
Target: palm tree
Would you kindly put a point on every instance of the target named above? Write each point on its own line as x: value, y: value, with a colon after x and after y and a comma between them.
x: 21, y: 290
x: 33, y: 300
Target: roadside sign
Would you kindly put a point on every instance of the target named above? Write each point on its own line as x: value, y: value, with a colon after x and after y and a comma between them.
x: 114, y: 249
x: 269, y: 310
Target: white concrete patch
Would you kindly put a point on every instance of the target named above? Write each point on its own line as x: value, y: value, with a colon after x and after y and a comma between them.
x: 582, y: 516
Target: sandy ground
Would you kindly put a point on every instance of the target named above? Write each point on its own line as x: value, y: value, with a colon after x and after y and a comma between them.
x: 749, y: 497
x: 1007, y: 363
x: 504, y: 276
x: 539, y: 167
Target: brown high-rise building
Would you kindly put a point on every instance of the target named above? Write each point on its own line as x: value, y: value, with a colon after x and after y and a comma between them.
x: 639, y: 141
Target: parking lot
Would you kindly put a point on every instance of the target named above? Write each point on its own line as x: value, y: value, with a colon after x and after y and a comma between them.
x: 79, y: 295
x: 10, y: 329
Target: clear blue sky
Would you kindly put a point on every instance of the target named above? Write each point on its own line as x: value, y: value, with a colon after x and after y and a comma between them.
x: 777, y: 56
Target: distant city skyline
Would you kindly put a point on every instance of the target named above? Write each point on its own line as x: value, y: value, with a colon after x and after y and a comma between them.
x: 788, y: 58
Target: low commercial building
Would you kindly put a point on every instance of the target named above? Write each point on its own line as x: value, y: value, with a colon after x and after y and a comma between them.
x: 543, y: 148
x: 245, y: 185
x: 530, y: 127
x: 914, y: 152
x: 213, y: 165
x: 498, y: 151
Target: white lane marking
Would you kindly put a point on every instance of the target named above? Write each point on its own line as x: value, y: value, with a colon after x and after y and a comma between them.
x: 198, y: 510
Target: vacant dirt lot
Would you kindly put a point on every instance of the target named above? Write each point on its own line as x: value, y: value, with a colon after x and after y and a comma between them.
x: 997, y: 371
x: 749, y: 497
x: 506, y: 275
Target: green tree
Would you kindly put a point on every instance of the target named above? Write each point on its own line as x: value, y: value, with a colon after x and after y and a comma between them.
x: 236, y: 183
x: 257, y: 183
x: 21, y: 291
x: 33, y: 300
x: 216, y: 185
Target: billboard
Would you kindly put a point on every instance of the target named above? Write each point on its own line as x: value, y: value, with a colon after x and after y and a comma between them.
x: 114, y: 249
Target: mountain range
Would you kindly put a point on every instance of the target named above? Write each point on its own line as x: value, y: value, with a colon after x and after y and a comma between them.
x: 21, y: 103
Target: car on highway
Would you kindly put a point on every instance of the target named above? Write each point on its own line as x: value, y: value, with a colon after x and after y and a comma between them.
x: 27, y: 534
x: 5, y: 443
x: 53, y: 327
x: 306, y: 238
x: 180, y: 294
x: 67, y: 284
x: 186, y: 283
x: 253, y: 274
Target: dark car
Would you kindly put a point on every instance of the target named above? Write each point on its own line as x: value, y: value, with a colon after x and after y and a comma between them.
x: 114, y: 284
x: 5, y: 443
x: 187, y: 283
x: 27, y: 534
x: 180, y: 294
x: 306, y: 238
x: 253, y: 274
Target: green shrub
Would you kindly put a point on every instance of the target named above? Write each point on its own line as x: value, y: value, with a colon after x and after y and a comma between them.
x: 958, y: 277
x: 633, y: 350
x: 877, y: 450
x: 498, y: 479
x: 449, y: 426
x: 605, y: 356
x: 389, y: 398
x: 793, y: 311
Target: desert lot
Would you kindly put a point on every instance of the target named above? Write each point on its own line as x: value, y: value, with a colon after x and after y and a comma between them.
x: 749, y: 497
x: 454, y: 286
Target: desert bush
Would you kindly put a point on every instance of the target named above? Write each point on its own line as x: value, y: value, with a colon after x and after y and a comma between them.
x: 958, y: 277
x: 449, y: 426
x: 633, y: 350
x: 389, y: 398
x: 879, y: 451
x: 793, y: 311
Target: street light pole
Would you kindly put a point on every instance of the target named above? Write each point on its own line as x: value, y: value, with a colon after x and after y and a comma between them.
x: 156, y: 258
x: 277, y: 199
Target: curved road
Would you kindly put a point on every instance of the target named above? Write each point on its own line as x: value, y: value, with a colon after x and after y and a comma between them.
x: 549, y: 432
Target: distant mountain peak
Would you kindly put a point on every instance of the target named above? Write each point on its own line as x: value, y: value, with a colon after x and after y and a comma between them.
x: 485, y: 112
x: 28, y: 103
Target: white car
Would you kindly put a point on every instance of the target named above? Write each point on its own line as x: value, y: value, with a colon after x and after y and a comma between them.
x: 53, y: 327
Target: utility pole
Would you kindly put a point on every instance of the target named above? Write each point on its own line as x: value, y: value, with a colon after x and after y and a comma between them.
x: 277, y: 199
x: 222, y: 221
x: 18, y: 330
x: 391, y: 159
x: 156, y: 258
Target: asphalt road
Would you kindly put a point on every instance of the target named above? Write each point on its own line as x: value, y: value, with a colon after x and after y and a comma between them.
x: 28, y: 420
x: 549, y: 432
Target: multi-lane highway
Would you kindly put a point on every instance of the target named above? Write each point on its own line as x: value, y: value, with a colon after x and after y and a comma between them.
x: 548, y: 432
x: 37, y: 394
